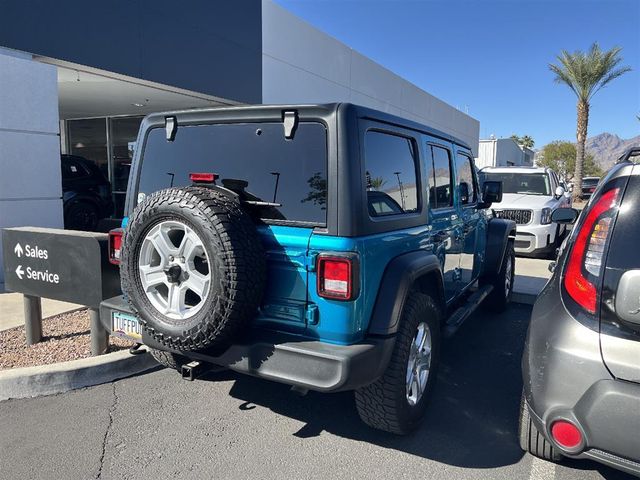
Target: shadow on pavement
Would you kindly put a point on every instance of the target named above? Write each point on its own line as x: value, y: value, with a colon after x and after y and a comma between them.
x: 472, y: 419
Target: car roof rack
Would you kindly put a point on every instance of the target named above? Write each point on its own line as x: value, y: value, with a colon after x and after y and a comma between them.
x: 630, y: 152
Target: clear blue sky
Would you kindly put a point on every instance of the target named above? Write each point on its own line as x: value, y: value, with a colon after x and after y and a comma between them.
x: 492, y: 56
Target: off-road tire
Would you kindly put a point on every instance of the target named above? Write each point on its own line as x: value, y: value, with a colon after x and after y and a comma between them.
x: 383, y: 404
x: 530, y: 438
x: 498, y: 299
x: 236, y: 262
x: 169, y: 360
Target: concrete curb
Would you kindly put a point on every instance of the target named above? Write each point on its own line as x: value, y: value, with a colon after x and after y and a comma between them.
x: 525, y: 298
x: 62, y: 377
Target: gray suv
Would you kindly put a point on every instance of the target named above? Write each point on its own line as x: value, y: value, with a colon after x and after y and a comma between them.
x: 581, y: 365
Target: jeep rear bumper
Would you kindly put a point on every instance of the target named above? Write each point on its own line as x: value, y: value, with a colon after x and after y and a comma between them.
x: 286, y: 358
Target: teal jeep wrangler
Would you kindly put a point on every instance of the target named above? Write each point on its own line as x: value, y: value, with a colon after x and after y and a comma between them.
x: 328, y: 247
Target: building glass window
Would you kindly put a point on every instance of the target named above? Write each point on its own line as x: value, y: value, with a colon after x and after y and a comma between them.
x: 123, y: 134
x: 109, y: 143
x: 88, y: 139
x: 390, y: 170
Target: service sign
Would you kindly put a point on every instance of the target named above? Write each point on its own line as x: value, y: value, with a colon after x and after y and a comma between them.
x: 59, y: 264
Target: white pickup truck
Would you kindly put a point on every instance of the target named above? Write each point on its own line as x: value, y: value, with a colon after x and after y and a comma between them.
x: 529, y: 195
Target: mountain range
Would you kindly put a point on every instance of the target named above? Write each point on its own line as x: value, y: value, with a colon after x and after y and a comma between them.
x: 607, y: 147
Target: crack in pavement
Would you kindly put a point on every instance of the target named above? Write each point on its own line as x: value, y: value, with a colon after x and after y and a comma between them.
x: 106, y: 433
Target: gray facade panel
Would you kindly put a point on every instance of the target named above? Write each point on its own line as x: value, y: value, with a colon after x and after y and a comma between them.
x: 205, y: 46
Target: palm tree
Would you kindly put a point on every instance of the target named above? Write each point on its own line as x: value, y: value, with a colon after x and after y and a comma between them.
x: 585, y: 74
x: 527, y: 141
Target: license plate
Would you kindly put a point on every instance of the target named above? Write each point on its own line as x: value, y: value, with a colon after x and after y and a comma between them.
x: 125, y: 325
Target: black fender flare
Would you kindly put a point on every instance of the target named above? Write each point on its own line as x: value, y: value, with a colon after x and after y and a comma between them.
x: 499, y: 232
x: 399, y: 276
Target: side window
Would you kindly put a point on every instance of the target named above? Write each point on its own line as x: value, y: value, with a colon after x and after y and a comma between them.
x: 390, y: 170
x: 441, y: 190
x: 465, y: 178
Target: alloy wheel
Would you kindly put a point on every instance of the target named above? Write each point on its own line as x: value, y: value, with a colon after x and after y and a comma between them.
x: 174, y: 269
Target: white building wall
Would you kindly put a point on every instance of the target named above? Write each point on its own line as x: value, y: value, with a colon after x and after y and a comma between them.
x: 509, y: 153
x: 301, y: 64
x: 30, y: 183
x: 501, y: 152
x: 486, y: 154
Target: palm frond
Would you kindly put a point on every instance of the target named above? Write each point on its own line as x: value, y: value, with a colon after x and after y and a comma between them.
x: 587, y: 72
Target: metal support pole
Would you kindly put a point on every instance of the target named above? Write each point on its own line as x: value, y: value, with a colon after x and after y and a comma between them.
x: 32, y: 319
x: 99, y: 335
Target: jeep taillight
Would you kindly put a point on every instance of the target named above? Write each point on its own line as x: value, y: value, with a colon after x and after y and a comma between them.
x: 584, y: 266
x: 337, y: 276
x: 115, y: 245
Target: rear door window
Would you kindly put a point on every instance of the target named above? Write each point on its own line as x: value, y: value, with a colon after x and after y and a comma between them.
x: 390, y: 170
x: 254, y: 160
x: 465, y: 178
x: 441, y: 192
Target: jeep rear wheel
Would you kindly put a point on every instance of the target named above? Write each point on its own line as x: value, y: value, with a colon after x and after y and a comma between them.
x: 192, y: 267
x: 397, y: 401
x: 502, y: 283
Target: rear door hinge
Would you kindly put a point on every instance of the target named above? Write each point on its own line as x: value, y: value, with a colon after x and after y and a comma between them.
x: 311, y: 314
x: 310, y: 261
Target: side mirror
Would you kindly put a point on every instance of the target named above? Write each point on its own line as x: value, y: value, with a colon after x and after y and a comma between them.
x: 559, y: 192
x: 463, y: 190
x: 491, y: 193
x: 564, y: 215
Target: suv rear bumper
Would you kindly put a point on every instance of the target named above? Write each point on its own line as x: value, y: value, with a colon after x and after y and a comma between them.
x: 565, y: 378
x: 287, y: 358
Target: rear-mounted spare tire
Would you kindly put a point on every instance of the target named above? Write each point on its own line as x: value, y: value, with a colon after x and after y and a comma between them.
x: 192, y: 267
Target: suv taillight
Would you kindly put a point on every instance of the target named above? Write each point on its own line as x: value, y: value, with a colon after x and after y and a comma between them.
x: 115, y: 245
x: 337, y: 276
x: 584, y: 266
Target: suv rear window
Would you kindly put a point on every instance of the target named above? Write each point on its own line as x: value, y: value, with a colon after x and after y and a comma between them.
x: 251, y: 158
x: 526, y: 183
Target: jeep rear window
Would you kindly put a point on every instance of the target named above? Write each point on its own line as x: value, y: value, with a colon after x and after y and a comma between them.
x: 253, y: 159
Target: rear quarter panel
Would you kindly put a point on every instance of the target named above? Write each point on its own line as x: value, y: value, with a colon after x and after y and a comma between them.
x: 347, y: 322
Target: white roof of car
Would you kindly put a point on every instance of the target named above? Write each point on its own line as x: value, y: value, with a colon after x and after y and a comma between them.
x: 515, y: 169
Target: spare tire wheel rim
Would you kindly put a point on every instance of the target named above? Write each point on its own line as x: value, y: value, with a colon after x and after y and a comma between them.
x: 419, y: 364
x: 174, y: 269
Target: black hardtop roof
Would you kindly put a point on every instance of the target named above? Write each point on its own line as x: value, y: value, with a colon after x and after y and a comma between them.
x: 274, y: 112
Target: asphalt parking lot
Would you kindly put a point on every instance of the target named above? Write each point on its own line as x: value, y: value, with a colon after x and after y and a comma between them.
x: 232, y: 426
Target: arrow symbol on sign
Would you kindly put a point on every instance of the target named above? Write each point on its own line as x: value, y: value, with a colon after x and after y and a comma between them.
x: 18, y: 250
x: 19, y: 272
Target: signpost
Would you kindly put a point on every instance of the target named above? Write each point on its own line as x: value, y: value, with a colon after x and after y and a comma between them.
x: 63, y: 265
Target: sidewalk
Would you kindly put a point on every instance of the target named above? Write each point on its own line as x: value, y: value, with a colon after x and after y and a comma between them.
x: 531, y: 276
x: 12, y: 313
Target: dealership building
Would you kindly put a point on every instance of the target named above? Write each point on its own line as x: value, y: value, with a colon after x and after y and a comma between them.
x: 78, y: 76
